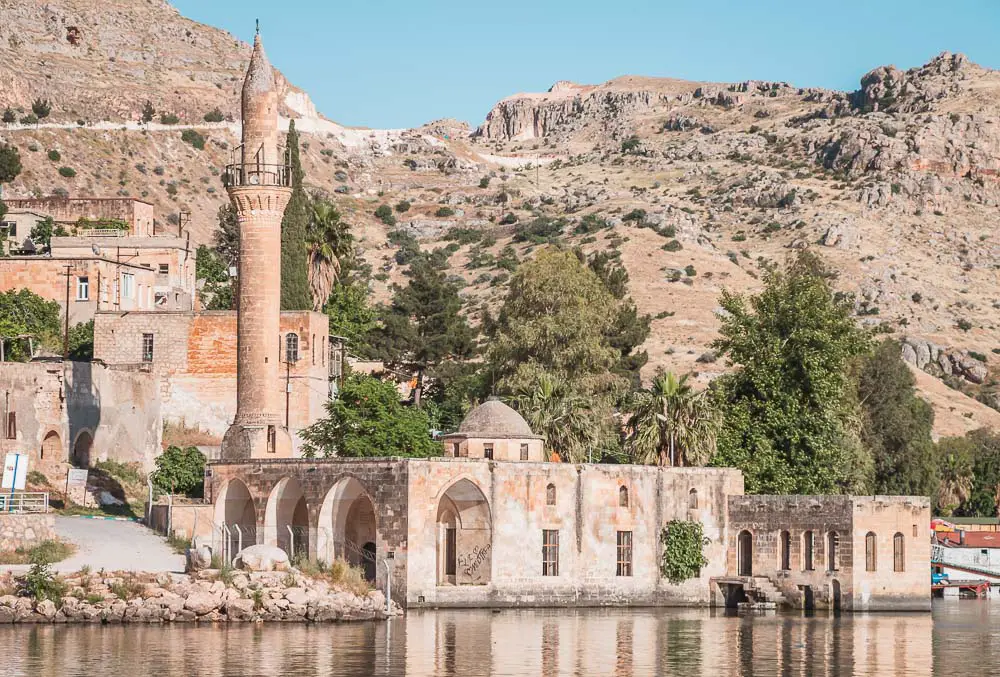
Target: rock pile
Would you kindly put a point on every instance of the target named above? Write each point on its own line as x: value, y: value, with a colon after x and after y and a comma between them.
x: 209, y: 597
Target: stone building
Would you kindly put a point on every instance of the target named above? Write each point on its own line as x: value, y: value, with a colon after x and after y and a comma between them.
x: 494, y: 431
x: 91, y: 211
x: 471, y: 531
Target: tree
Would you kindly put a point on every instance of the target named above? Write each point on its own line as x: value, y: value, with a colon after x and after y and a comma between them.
x: 329, y: 242
x: 227, y: 237
x: 294, y: 272
x: 556, y: 318
x: 148, y: 112
x: 670, y: 423
x: 368, y: 420
x: 41, y: 108
x: 10, y: 163
x: 788, y: 408
x: 565, y: 417
x: 895, y: 424
x: 351, y: 317
x: 81, y: 341
x: 983, y: 498
x: 218, y: 290
x: 180, y: 471
x: 424, y: 325
x: 9, y: 116
x: 23, y: 312
x: 629, y: 329
x: 955, y: 464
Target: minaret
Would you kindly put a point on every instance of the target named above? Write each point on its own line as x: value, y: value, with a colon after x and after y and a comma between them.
x: 259, y: 188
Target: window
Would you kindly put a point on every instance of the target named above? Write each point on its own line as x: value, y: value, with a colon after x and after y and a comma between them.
x: 916, y: 533
x: 11, y: 425
x: 524, y: 452
x: 807, y: 551
x: 128, y: 285
x: 164, y: 268
x: 550, y: 552
x: 312, y: 347
x: 624, y: 554
x: 455, y: 449
x: 10, y: 227
x: 272, y: 439
x: 898, y: 553
x: 488, y: 450
x: 693, y: 499
x: 103, y: 284
x: 147, y: 347
x: 786, y: 551
x: 292, y: 348
x: 160, y: 300
x: 871, y: 560
x: 550, y: 494
x: 83, y: 288
x: 623, y: 497
x: 832, y: 550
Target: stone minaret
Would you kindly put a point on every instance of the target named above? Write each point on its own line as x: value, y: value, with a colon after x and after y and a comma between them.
x: 259, y: 187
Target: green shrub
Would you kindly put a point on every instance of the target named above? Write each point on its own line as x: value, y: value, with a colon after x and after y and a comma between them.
x: 631, y: 144
x: 29, y: 119
x: 591, y: 223
x: 169, y: 119
x: 126, y: 473
x: 41, y: 583
x: 41, y: 108
x: 463, y: 235
x: 37, y: 478
x: 54, y: 155
x: 672, y: 246
x: 180, y: 471
x: 194, y: 138
x: 9, y: 116
x: 483, y: 182
x: 964, y: 324
x: 683, y: 544
x: 384, y: 214
x: 214, y: 115
x: 638, y: 215
x: 690, y: 271
x: 403, y: 206
x: 443, y: 212
x: 508, y: 219
x: 68, y: 172
x: 127, y: 588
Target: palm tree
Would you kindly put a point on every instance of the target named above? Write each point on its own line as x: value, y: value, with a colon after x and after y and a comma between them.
x: 568, y: 420
x: 328, y: 241
x: 670, y: 423
x: 956, y: 481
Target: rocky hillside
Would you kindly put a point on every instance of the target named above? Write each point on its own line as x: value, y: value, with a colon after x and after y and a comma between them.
x: 696, y: 186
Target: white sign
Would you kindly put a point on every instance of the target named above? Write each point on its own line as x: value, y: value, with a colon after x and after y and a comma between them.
x: 15, y: 471
x: 76, y: 477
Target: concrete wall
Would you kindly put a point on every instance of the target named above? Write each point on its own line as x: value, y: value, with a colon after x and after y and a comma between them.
x: 886, y: 589
x: 25, y: 531
x: 185, y: 520
x: 195, y: 357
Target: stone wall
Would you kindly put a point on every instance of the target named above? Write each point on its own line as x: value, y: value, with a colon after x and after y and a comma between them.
x: 886, y: 588
x: 25, y: 531
x: 138, y: 214
x: 33, y: 393
x: 185, y: 520
x: 195, y: 358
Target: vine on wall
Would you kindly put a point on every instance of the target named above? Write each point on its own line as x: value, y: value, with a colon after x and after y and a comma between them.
x: 683, y: 557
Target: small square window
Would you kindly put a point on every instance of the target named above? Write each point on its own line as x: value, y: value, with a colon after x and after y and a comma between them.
x: 524, y: 452
x: 488, y: 450
x: 164, y: 268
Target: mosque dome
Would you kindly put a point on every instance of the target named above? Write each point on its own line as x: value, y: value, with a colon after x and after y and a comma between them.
x: 494, y: 419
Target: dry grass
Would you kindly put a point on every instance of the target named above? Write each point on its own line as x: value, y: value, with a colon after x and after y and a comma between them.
x: 182, y: 435
x: 46, y: 551
x: 340, y: 573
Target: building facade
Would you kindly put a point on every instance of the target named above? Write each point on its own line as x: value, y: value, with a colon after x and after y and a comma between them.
x: 90, y: 212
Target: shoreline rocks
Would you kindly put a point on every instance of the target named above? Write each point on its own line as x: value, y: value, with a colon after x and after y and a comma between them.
x: 207, y: 597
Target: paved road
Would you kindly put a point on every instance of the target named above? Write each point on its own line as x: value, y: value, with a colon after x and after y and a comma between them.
x: 113, y: 546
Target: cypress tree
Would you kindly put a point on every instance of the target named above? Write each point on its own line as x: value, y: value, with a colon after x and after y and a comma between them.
x: 294, y: 274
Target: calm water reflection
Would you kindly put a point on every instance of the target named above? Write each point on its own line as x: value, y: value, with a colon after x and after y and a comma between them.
x: 960, y: 638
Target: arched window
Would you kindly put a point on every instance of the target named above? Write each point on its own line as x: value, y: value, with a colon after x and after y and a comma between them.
x: 786, y: 551
x: 623, y: 497
x: 550, y: 494
x: 832, y: 551
x: 807, y: 551
x: 871, y: 560
x: 693, y: 499
x: 898, y: 553
x: 292, y: 347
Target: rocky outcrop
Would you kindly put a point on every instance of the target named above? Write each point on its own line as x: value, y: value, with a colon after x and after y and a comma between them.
x: 263, y: 558
x: 934, y: 359
x: 210, y: 597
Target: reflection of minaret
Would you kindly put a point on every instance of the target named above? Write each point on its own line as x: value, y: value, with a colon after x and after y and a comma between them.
x: 259, y: 188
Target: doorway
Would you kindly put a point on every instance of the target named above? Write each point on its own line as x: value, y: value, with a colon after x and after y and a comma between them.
x: 744, y: 553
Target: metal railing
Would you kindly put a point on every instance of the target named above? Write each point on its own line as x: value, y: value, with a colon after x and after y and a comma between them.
x: 254, y: 174
x: 27, y: 501
x: 103, y: 232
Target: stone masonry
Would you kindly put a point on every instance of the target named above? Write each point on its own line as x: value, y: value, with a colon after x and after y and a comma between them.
x: 25, y: 531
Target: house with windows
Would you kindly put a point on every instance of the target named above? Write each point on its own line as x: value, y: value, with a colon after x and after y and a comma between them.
x: 515, y: 529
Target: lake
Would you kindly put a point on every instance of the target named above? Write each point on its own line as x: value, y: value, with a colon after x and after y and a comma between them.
x: 960, y: 638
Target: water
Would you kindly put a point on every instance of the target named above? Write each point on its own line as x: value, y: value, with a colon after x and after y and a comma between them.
x: 960, y: 639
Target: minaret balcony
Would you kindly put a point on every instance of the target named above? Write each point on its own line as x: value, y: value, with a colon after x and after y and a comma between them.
x: 256, y: 174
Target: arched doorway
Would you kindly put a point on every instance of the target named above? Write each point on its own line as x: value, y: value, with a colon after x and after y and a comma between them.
x: 51, y: 448
x: 348, y: 528
x: 835, y: 594
x: 744, y: 553
x: 82, y: 449
x: 465, y: 536
x: 236, y: 515
x: 286, y: 519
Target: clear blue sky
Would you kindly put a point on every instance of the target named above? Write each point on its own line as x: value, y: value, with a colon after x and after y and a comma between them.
x: 400, y: 63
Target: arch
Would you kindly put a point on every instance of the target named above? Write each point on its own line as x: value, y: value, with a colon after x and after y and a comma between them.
x: 623, y: 496
x: 83, y: 448
x: 785, y: 546
x: 744, y: 553
x: 898, y: 552
x: 550, y: 494
x: 835, y: 595
x: 286, y: 518
x: 51, y: 447
x: 693, y: 499
x: 832, y: 551
x: 235, y: 507
x: 808, y: 543
x: 465, y: 536
x: 348, y: 526
x: 292, y: 347
x: 871, y: 554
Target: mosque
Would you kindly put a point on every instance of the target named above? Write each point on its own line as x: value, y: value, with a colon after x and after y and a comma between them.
x: 493, y: 522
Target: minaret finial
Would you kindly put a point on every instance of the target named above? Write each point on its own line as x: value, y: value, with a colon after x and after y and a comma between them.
x: 258, y: 26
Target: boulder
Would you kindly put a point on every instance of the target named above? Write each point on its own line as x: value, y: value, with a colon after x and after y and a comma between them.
x: 240, y: 609
x: 46, y: 608
x: 297, y: 596
x: 263, y: 558
x: 201, y: 603
x: 199, y: 558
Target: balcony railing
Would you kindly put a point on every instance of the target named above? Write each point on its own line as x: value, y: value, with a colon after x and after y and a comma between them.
x: 257, y: 175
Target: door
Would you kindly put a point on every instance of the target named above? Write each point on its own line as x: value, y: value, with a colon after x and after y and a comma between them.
x: 745, y: 553
x: 450, y: 551
x: 368, y: 563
